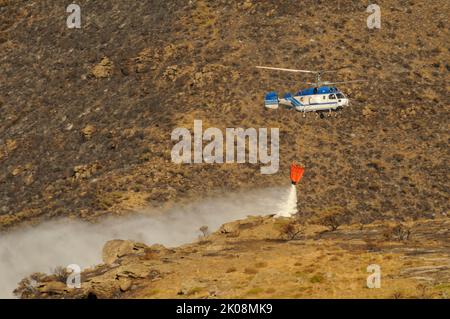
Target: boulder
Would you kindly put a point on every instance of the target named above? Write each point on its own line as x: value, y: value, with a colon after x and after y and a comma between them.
x: 115, y: 249
x: 104, y: 69
x: 125, y: 284
x: 239, y: 225
x: 88, y: 131
x: 53, y: 287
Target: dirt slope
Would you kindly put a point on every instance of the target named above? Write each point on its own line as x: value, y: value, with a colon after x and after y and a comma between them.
x: 86, y: 114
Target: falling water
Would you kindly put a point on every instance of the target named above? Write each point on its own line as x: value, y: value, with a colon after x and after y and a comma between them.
x: 288, y: 207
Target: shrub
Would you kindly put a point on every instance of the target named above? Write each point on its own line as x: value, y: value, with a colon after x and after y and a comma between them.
x: 398, y: 232
x: 204, y: 230
x: 397, y: 295
x: 291, y: 230
x: 422, y: 290
x: 61, y: 274
x: 27, y: 287
x: 317, y: 279
x: 334, y: 219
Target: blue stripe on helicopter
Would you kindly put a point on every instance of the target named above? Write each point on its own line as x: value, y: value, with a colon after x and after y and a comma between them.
x: 293, y: 101
x: 290, y: 98
x: 321, y: 103
x: 271, y: 102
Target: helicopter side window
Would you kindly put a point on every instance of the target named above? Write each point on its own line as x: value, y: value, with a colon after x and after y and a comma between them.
x: 340, y: 96
x: 332, y: 97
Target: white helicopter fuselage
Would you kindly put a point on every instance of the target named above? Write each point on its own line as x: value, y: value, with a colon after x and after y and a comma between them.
x: 316, y: 102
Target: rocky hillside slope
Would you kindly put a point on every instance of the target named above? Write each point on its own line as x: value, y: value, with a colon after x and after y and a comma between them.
x: 86, y: 115
x: 263, y: 257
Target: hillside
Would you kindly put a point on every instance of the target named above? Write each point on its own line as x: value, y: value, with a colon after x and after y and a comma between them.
x: 87, y: 114
x: 86, y: 117
x: 258, y: 258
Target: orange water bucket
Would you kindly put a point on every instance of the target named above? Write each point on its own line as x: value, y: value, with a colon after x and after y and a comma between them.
x: 296, y: 173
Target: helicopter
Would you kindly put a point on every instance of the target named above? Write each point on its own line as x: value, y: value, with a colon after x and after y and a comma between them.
x: 324, y: 96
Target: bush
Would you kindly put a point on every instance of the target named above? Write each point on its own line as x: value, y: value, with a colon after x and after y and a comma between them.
x: 423, y: 291
x: 398, y: 232
x: 204, y: 230
x: 61, y: 274
x: 397, y: 295
x: 27, y: 287
x: 291, y: 230
x: 334, y: 219
x: 317, y: 279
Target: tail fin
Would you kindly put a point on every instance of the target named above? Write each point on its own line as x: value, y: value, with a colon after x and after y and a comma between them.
x: 271, y: 100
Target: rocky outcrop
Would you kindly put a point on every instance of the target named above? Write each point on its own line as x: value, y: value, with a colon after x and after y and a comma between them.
x: 125, y: 263
x: 53, y: 288
x: 115, y: 249
x: 104, y: 69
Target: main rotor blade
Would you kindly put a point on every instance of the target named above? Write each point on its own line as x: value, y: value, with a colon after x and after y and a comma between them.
x: 328, y: 71
x: 297, y: 83
x: 335, y: 70
x: 341, y: 82
x: 285, y: 70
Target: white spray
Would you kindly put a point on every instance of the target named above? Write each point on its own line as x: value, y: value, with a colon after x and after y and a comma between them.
x: 64, y: 242
x: 288, y: 207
